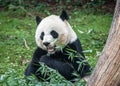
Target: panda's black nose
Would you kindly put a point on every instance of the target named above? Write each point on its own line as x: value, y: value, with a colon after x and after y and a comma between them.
x: 46, y: 43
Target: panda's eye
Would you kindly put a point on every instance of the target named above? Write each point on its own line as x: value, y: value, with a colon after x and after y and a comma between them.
x: 54, y: 34
x: 41, y: 36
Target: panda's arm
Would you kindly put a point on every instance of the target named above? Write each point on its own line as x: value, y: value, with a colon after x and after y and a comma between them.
x: 34, y: 64
x: 64, y: 68
x: 76, y: 45
x: 79, y: 63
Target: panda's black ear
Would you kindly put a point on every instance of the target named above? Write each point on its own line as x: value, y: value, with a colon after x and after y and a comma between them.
x: 38, y: 20
x: 64, y: 15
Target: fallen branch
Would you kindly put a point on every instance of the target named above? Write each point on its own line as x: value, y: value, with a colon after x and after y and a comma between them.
x: 25, y: 43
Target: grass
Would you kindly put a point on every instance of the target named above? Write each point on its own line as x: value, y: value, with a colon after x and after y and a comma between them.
x: 92, y: 30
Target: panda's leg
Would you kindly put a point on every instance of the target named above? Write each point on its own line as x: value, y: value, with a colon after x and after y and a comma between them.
x: 81, y: 66
x: 64, y: 68
x: 34, y: 65
x: 32, y: 69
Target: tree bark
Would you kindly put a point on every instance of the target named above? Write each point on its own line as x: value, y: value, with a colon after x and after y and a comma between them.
x: 107, y: 70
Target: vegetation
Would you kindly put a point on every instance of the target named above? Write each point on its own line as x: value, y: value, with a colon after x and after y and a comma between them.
x: 17, y: 43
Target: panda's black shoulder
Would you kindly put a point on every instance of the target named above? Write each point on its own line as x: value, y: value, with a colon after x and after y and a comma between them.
x: 76, y: 45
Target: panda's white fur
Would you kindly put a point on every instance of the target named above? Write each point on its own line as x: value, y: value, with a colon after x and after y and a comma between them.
x: 63, y: 28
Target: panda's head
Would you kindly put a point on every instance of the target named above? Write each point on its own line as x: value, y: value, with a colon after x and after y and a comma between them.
x: 54, y: 32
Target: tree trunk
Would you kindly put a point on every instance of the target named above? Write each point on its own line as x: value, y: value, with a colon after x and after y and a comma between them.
x: 107, y: 70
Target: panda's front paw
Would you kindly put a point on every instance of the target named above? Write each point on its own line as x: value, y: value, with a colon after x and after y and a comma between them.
x: 44, y: 58
x: 47, y: 60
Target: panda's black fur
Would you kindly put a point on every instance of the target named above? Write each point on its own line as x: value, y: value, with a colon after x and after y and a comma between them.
x: 60, y: 60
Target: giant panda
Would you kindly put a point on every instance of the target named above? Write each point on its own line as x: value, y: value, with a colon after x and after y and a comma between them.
x: 54, y: 36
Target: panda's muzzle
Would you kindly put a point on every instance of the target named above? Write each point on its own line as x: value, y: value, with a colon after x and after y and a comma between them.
x: 50, y: 49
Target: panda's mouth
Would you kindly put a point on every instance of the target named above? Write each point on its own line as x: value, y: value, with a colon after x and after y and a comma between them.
x: 51, y: 50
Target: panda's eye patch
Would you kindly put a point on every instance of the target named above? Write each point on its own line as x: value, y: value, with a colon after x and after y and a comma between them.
x: 41, y: 36
x: 54, y: 34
